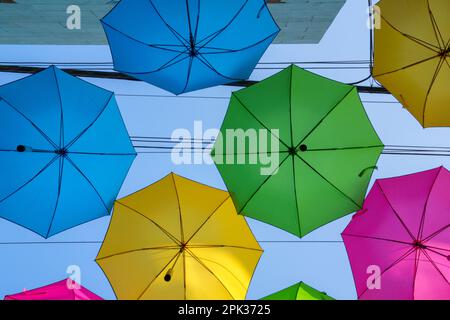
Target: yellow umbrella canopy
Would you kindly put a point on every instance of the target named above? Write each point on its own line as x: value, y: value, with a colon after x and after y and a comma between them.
x: 412, y: 57
x: 178, y: 239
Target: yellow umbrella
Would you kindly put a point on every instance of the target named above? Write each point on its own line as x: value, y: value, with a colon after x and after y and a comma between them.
x: 178, y: 239
x: 412, y: 57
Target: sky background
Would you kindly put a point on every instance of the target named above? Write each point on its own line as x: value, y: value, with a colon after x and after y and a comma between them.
x: 322, y: 265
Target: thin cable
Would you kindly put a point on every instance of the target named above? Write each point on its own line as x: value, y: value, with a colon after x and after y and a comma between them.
x: 370, y: 10
x: 49, y: 242
x: 100, y: 242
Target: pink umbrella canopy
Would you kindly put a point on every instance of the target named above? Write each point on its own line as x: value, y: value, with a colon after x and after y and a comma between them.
x: 399, y: 243
x: 62, y: 290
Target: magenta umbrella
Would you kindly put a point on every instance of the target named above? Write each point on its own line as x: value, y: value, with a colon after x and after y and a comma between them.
x: 62, y: 290
x: 399, y: 243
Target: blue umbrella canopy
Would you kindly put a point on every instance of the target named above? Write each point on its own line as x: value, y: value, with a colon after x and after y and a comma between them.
x: 64, y: 152
x: 186, y: 45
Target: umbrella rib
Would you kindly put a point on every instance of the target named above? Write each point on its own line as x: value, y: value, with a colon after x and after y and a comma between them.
x: 437, y: 252
x: 156, y: 277
x: 414, y: 39
x: 329, y: 182
x: 395, y: 212
x: 101, y: 153
x: 207, y: 219
x: 256, y: 118
x: 188, y: 13
x: 54, y: 145
x: 184, y: 275
x: 212, y: 273
x: 262, y: 184
x: 74, y: 140
x: 196, y: 23
x: 191, y: 60
x: 60, y: 178
x: 408, y: 66
x: 218, y: 32
x: 89, y: 182
x: 156, y: 46
x: 241, y: 49
x: 136, y: 250
x: 400, y: 259
x: 203, y: 60
x: 346, y: 148
x: 166, y: 65
x: 376, y: 238
x: 61, y: 124
x: 416, y: 266
x: 324, y: 117
x: 435, y: 266
x: 30, y: 180
x: 293, y: 162
x: 425, y: 208
x: 167, y: 233
x: 446, y: 62
x: 179, y: 209
x: 221, y: 265
x: 295, y: 195
x: 437, y: 248
x: 433, y: 80
x: 210, y: 246
x: 436, y: 30
x: 436, y: 233
x: 172, y: 30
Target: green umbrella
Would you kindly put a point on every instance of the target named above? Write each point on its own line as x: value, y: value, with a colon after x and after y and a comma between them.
x: 298, y: 291
x: 296, y: 150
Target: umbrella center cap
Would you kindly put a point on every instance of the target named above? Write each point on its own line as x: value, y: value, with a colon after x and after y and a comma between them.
x: 193, y: 52
x: 419, y: 244
x: 292, y: 151
x: 183, y: 246
x: 445, y: 52
x: 61, y: 152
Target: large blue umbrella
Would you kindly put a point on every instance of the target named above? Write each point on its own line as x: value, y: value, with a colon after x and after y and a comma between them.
x: 64, y: 152
x: 186, y: 45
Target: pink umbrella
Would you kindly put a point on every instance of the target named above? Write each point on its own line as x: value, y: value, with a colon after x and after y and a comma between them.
x: 62, y: 290
x: 399, y: 243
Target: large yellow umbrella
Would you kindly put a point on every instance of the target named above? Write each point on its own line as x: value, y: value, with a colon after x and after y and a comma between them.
x: 178, y: 239
x: 412, y: 57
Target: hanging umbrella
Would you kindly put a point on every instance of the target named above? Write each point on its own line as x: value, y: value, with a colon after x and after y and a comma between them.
x: 64, y: 152
x: 63, y: 290
x: 412, y: 57
x: 298, y: 291
x: 326, y: 150
x: 178, y: 239
x: 182, y: 46
x: 399, y: 243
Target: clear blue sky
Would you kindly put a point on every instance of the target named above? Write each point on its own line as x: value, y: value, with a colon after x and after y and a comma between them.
x: 322, y: 265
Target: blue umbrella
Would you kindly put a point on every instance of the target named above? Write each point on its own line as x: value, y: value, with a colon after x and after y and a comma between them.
x: 186, y: 45
x: 64, y: 152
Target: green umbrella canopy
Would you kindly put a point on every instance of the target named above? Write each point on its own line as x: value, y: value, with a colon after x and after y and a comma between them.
x: 298, y: 291
x: 297, y: 150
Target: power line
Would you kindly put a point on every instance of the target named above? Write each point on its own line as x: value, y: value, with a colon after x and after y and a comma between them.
x: 121, y: 76
x: 100, y: 242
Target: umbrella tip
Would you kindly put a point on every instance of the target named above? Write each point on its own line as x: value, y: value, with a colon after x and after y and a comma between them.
x: 21, y: 148
x: 303, y: 147
x: 168, y: 275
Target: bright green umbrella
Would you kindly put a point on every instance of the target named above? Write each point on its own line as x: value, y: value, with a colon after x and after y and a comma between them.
x: 327, y: 150
x: 298, y: 291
